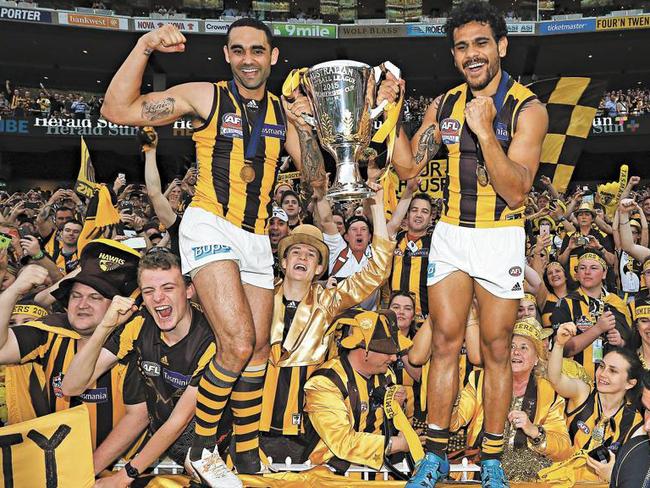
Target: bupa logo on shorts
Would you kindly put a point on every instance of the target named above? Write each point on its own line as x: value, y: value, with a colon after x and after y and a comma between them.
x: 501, y: 131
x: 450, y: 131
x: 95, y: 395
x: 231, y: 125
x: 176, y: 379
x: 583, y: 427
x: 201, y: 252
x: 431, y: 270
x: 515, y: 271
x: 150, y: 369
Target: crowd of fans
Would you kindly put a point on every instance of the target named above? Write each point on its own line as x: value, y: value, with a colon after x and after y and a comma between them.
x: 583, y: 328
x: 633, y: 101
x: 41, y: 102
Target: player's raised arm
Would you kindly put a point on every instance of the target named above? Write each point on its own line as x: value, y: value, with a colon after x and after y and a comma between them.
x: 123, y: 102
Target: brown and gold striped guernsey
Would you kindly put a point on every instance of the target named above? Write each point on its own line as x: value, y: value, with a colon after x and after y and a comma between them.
x: 466, y: 202
x: 41, y: 343
x: 409, y: 273
x: 586, y: 418
x: 220, y: 155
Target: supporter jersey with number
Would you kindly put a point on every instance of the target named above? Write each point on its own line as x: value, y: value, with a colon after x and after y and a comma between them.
x: 51, y: 344
x: 466, y: 202
x: 409, y: 273
x: 219, y: 142
x: 165, y: 371
x: 587, y: 424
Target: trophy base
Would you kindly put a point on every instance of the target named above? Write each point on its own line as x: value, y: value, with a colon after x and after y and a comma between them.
x: 343, y: 192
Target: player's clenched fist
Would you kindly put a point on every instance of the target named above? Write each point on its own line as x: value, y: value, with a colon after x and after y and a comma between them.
x: 166, y: 39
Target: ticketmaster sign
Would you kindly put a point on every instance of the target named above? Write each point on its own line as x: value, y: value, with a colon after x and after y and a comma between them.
x: 321, y: 31
x: 567, y: 26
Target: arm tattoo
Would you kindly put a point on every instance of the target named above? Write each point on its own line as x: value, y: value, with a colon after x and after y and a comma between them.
x: 159, y: 109
x: 313, y: 165
x: 427, y: 146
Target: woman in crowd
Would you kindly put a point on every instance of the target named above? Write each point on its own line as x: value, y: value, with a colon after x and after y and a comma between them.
x: 641, y: 338
x: 604, y: 416
x: 407, y: 375
x: 536, y: 432
x: 557, y: 284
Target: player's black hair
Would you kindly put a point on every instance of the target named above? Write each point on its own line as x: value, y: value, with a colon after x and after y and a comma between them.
x: 255, y: 24
x: 476, y: 11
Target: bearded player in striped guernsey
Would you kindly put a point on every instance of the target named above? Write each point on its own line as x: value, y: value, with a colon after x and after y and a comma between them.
x: 239, y: 129
x: 493, y: 129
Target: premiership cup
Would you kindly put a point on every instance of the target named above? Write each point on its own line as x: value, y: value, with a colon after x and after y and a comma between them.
x: 343, y: 97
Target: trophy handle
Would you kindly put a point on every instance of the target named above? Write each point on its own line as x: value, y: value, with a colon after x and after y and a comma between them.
x: 379, y: 72
x: 294, y: 80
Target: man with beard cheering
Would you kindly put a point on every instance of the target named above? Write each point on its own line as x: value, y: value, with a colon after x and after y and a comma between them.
x: 493, y: 128
x: 239, y: 131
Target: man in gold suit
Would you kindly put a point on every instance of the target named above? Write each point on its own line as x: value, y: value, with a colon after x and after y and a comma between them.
x: 301, y: 332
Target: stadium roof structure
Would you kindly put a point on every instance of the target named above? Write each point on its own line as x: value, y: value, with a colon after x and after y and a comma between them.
x: 85, y: 59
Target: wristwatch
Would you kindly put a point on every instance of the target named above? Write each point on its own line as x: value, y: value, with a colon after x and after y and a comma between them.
x: 131, y: 472
x: 536, y: 441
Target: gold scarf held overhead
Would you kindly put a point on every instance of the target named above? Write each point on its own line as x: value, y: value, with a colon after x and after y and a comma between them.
x: 393, y: 411
x: 610, y: 193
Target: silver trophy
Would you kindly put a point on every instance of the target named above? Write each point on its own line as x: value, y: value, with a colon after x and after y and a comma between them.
x: 343, y: 97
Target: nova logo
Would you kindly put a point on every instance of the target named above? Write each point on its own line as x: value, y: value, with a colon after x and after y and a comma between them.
x: 205, y: 251
x: 150, y: 369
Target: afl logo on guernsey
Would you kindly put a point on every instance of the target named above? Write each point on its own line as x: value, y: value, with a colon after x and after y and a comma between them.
x: 231, y: 125
x: 450, y: 131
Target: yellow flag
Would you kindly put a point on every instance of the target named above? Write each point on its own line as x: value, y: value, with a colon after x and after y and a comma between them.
x: 51, y: 451
x: 86, y: 179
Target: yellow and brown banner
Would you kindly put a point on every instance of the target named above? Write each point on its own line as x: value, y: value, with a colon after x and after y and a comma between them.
x: 49, y: 452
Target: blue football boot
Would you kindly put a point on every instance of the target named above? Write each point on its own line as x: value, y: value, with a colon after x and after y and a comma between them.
x: 492, y: 475
x: 429, y: 471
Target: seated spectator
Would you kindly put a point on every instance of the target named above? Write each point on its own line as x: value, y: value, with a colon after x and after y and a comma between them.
x: 604, y: 415
x: 44, y: 349
x: 407, y: 374
x: 411, y: 259
x: 536, y: 432
x: 602, y: 319
x: 630, y: 467
x: 278, y: 229
x: 301, y: 332
x: 641, y: 336
x: 27, y: 310
x: 172, y: 342
x: 557, y: 285
x: 585, y: 239
x: 290, y: 203
x: 348, y: 428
